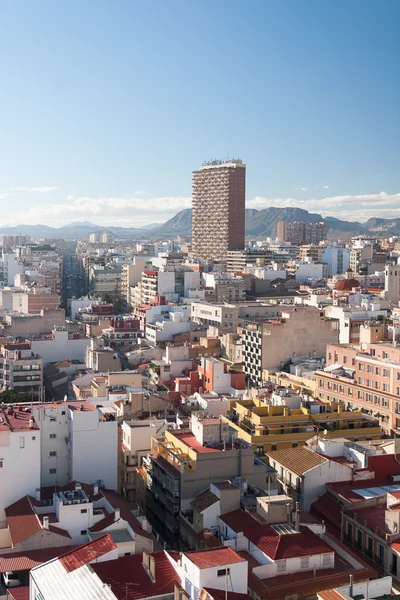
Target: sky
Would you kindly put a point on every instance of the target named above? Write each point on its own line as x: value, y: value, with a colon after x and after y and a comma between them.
x: 106, y: 107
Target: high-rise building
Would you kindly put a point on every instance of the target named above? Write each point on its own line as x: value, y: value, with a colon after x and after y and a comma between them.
x: 299, y: 232
x: 218, y: 214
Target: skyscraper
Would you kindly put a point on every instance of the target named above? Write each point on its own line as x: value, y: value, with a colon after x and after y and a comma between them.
x: 218, y: 213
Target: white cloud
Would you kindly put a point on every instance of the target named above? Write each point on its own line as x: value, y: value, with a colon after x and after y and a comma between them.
x: 326, y: 187
x: 135, y: 211
x: 304, y: 189
x: 34, y: 189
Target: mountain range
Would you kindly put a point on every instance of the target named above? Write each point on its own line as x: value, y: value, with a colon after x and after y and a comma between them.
x: 259, y: 223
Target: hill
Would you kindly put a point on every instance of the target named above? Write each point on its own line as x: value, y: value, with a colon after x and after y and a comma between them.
x: 263, y: 223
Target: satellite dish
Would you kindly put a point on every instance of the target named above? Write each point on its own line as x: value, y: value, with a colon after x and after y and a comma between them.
x: 65, y: 398
x: 325, y: 432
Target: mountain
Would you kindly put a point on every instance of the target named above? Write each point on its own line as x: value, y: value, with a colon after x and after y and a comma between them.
x: 375, y: 225
x: 263, y: 223
x: 151, y: 226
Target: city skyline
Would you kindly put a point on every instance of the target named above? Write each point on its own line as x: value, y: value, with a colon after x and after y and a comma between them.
x: 308, y: 98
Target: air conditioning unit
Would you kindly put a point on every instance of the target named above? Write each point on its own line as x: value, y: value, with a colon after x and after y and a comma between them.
x: 67, y: 502
x: 176, y: 509
x: 76, y: 502
x: 85, y: 501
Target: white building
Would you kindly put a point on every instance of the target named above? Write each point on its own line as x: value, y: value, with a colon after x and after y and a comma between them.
x: 392, y: 283
x: 311, y: 271
x: 79, y: 442
x: 19, y: 457
x: 170, y: 324
x: 61, y: 344
x: 337, y: 259
x: 75, y: 304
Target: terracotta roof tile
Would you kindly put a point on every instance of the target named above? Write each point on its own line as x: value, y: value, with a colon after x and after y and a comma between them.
x: 28, y: 559
x: 204, y: 500
x: 106, y: 522
x: 214, y: 557
x: 87, y: 553
x: 298, y: 460
x: 129, y: 569
x: 22, y: 520
x: 274, y: 545
x: 117, y: 501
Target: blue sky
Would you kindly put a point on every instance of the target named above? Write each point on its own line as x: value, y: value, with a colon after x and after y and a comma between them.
x: 107, y: 106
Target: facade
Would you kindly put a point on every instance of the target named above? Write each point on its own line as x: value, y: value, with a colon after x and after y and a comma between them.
x: 268, y: 428
x: 337, y: 259
x: 392, y: 283
x: 367, y: 380
x: 101, y: 358
x: 61, y: 344
x: 218, y: 213
x: 122, y: 332
x: 239, y: 260
x: 311, y: 271
x: 182, y: 464
x: 298, y: 232
x: 267, y: 346
x: 19, y: 457
x: 21, y: 368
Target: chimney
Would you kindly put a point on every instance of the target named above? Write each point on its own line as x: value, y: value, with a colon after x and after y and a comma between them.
x: 297, y: 521
x: 78, y: 486
x: 152, y: 567
x: 46, y: 523
x: 117, y: 514
x: 95, y: 489
x: 351, y: 586
x: 38, y: 494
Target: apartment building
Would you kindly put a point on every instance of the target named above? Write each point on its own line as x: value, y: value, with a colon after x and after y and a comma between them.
x: 183, y: 463
x: 61, y: 344
x: 269, y: 345
x: 231, y: 315
x: 392, y: 283
x: 239, y: 260
x: 218, y: 213
x: 337, y: 258
x: 136, y: 436
x: 367, y: 380
x: 21, y: 369
x: 220, y: 287
x: 123, y: 331
x: 101, y: 358
x: 167, y: 326
x: 105, y: 279
x: 311, y: 252
x: 299, y: 232
x: 268, y: 428
x: 19, y: 457
x: 78, y: 442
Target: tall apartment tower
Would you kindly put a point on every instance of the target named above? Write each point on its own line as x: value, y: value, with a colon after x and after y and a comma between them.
x: 218, y: 213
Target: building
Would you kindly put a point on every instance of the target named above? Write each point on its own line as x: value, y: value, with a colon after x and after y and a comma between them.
x: 123, y: 331
x: 222, y: 288
x: 337, y: 259
x: 392, y: 283
x: 311, y: 252
x: 79, y: 441
x: 101, y: 358
x: 239, y: 260
x: 168, y: 325
x: 61, y: 344
x: 20, y: 457
x: 182, y: 464
x: 218, y: 213
x: 269, y: 345
x: 21, y: 369
x: 298, y: 232
x: 135, y: 445
x: 311, y: 271
x: 268, y: 428
x: 367, y: 379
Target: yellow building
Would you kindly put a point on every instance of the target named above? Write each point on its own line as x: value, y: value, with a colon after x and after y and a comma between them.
x: 268, y: 427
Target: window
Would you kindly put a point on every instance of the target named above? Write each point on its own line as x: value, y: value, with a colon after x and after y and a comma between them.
x: 34, y: 438
x: 63, y: 412
x: 83, y: 511
x: 305, y: 562
x: 22, y: 442
x: 281, y: 566
x: 1, y: 463
x: 386, y: 373
x: 223, y: 572
x: 53, y: 471
x: 377, y: 371
x: 344, y: 360
x: 384, y: 354
x: 273, y: 447
x: 360, y: 366
x: 83, y: 531
x: 294, y: 445
x: 385, y: 387
x: 53, y: 436
x: 52, y: 453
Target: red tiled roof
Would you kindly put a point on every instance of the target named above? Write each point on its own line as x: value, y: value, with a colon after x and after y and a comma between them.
x: 19, y: 593
x: 210, y: 539
x: 129, y: 569
x: 214, y: 557
x: 225, y: 485
x: 221, y: 595
x: 330, y: 595
x: 117, y: 501
x: 22, y: 520
x: 274, y: 545
x: 87, y: 553
x: 28, y: 559
x: 106, y: 522
x: 329, y: 509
